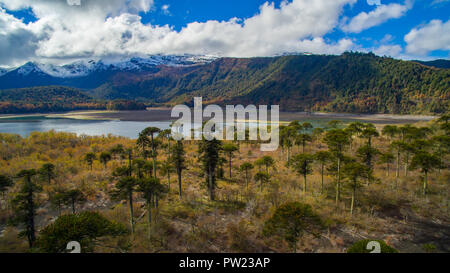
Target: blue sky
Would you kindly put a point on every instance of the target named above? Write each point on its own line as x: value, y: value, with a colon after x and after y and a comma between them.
x: 66, y: 30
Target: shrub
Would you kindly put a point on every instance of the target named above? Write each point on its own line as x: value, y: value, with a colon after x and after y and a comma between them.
x: 361, y: 247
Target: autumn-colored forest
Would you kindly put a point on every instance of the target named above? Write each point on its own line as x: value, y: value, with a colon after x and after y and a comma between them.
x: 325, y: 190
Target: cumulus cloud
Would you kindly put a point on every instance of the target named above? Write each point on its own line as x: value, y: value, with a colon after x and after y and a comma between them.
x: 108, y: 28
x: 376, y: 17
x: 388, y: 50
x: 433, y: 36
x: 17, y: 41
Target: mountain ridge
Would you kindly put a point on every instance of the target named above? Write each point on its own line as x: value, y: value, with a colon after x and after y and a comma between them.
x: 351, y: 82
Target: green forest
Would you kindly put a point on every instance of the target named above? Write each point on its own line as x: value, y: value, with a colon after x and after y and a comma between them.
x: 351, y: 82
x: 327, y: 189
x: 57, y: 99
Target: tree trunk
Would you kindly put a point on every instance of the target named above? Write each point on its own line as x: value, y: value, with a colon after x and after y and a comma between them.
x: 179, y: 182
x: 130, y: 197
x: 321, y: 173
x: 31, y: 229
x: 353, y: 200
x: 154, y: 166
x: 168, y: 152
x: 154, y: 157
x: 397, y: 174
x: 406, y: 164
x: 129, y: 163
x: 338, y: 185
x: 73, y: 206
x: 149, y: 211
x: 210, y: 182
x: 230, y: 165
x: 168, y: 179
x: 304, y: 183
x: 425, y: 183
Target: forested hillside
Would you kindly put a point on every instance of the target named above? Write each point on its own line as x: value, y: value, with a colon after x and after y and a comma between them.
x: 56, y: 98
x: 352, y: 82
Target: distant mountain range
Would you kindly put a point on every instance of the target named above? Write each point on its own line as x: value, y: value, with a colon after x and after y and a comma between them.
x: 352, y: 82
x: 436, y: 63
x: 89, y: 74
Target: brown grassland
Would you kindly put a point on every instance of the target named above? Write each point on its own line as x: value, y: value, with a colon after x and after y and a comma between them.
x: 386, y: 208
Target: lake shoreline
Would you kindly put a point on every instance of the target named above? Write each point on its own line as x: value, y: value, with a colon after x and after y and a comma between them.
x: 164, y: 114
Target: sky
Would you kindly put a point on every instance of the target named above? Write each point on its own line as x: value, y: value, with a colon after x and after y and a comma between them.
x: 63, y: 31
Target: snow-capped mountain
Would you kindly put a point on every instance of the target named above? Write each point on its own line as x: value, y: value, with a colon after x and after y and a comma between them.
x: 90, y: 73
x: 84, y: 68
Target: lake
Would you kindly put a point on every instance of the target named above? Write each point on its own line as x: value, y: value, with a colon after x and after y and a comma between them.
x: 128, y: 129
x: 130, y: 123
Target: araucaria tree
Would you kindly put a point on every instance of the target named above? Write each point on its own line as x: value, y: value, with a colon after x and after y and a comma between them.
x: 166, y: 168
x: 301, y: 163
x: 151, y: 132
x: 367, y: 153
x: 302, y: 139
x: 337, y: 140
x: 354, y: 172
x: 209, y: 151
x: 151, y: 190
x: 178, y: 159
x: 5, y: 184
x: 322, y: 157
x: 89, y: 158
x: 47, y: 172
x: 24, y: 205
x: 287, y: 138
x: 124, y: 190
x: 267, y: 161
x: 246, y: 167
x: 104, y: 158
x: 229, y: 149
x: 74, y: 197
x: 387, y: 158
x: 290, y: 221
x: 262, y: 178
x: 426, y: 162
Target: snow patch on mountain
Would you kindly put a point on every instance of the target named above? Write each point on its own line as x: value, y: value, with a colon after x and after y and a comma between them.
x: 135, y: 64
x: 29, y: 68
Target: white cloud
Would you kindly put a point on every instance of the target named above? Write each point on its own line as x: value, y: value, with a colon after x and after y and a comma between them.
x: 388, y: 50
x: 433, y: 36
x: 437, y: 2
x: 374, y: 2
x: 74, y: 2
x: 109, y: 28
x: 376, y: 17
x: 17, y: 41
x: 165, y: 9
